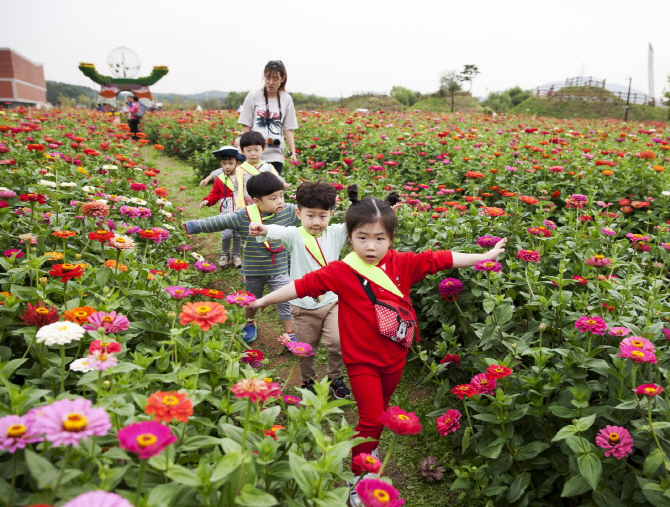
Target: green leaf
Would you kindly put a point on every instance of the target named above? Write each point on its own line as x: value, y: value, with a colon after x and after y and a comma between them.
x: 585, y: 423
x: 576, y: 485
x: 487, y: 418
x: 530, y: 450
x: 467, y: 435
x: 226, y: 466
x: 102, y: 276
x: 184, y: 475
x: 334, y: 498
x: 564, y: 432
x: 41, y: 469
x: 503, y: 313
x: 563, y: 412
x: 489, y: 305
x: 591, y: 469
x: 9, y: 368
x: 518, y: 486
x: 198, y: 442
x: 653, y: 492
x: 653, y: 461
x: 251, y: 496
x: 304, y: 474
x: 492, y: 451
x: 627, y: 405
x: 494, y: 490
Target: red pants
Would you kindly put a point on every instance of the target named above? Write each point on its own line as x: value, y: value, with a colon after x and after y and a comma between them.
x: 372, y: 392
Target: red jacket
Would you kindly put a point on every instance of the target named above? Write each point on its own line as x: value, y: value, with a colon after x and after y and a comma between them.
x: 219, y: 191
x: 364, y: 348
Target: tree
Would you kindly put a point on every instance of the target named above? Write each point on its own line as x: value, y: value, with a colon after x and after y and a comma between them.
x: 501, y: 102
x: 449, y: 82
x: 212, y: 103
x: 405, y: 96
x: 234, y: 100
x: 468, y: 74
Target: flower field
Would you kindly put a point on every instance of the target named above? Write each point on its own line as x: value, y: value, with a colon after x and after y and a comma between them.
x: 125, y: 379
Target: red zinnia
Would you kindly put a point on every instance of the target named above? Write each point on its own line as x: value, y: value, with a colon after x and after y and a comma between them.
x: 400, y: 422
x: 272, y: 432
x: 483, y: 384
x: 40, y: 315
x: 101, y: 235
x: 40, y: 198
x: 454, y: 359
x: 165, y: 406
x: 67, y: 271
x: 177, y: 264
x: 464, y: 390
x: 110, y: 347
x: 496, y: 371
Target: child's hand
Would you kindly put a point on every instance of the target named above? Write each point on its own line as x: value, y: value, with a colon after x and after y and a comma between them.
x: 497, y: 250
x: 397, y: 206
x: 257, y: 229
x: 286, y: 185
x: 257, y: 304
x: 205, y: 181
x: 183, y: 226
x: 204, y: 203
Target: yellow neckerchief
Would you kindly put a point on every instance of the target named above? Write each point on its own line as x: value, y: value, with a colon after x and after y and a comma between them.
x: 312, y: 246
x: 226, y: 180
x: 373, y: 273
x: 249, y: 169
x: 254, y: 214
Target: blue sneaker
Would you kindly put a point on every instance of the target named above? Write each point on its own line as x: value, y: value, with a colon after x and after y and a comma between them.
x: 249, y: 333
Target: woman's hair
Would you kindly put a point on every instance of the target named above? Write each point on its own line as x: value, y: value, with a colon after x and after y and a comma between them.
x: 316, y: 195
x: 278, y: 67
x: 370, y: 210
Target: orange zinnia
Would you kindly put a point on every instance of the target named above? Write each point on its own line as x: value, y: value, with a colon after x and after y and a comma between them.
x: 79, y: 315
x: 111, y: 263
x: 64, y: 234
x: 166, y: 406
x: 54, y: 256
x: 204, y: 314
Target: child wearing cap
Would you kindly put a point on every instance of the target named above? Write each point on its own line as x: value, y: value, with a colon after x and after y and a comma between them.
x: 217, y: 172
x: 223, y: 192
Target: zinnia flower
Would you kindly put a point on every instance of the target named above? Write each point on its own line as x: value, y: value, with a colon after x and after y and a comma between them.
x: 111, y: 322
x: 95, y: 209
x: 272, y: 432
x: 453, y: 359
x: 12, y: 251
x: 59, y: 333
x: 450, y: 287
x: 400, y: 422
x: 366, y: 462
x: 635, y: 354
x: 252, y: 356
x: 16, y: 432
x: 488, y: 265
x: 618, y: 331
x: 496, y: 371
x: 616, y: 441
x: 178, y: 292
x: 289, y: 399
x: 40, y: 315
x: 256, y: 389
x: 177, y: 264
x: 120, y: 243
x: 204, y: 267
x: 649, y: 389
x: 464, y: 390
x: 67, y: 271
x: 241, y: 298
x: 79, y: 315
x: 101, y: 360
x: 80, y: 365
x: 300, y: 349
x: 165, y: 406
x: 638, y: 342
x: 448, y: 423
x: 593, y: 324
x: 483, y: 384
x: 205, y: 314
x: 488, y: 241
x: 377, y: 493
x: 146, y: 439
x: 111, y: 347
x: 598, y: 261
x: 68, y: 422
x: 100, y: 235
x: 528, y: 255
x: 98, y: 498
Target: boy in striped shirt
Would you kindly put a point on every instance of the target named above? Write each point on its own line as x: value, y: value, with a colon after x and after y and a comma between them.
x: 265, y: 263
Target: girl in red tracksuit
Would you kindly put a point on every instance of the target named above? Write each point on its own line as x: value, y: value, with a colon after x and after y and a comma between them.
x: 376, y: 318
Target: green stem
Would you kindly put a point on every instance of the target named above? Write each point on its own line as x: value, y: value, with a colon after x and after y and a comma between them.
x: 246, y: 425
x: 68, y: 450
x: 62, y: 369
x: 11, y: 491
x: 467, y: 413
x: 202, y: 346
x: 291, y: 372
x: 389, y: 453
x: 140, y: 481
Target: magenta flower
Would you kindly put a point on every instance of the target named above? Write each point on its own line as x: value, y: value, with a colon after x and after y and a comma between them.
x: 637, y: 355
x: 291, y: 400
x: 488, y: 265
x: 592, y: 324
x: 68, y: 422
x: 579, y: 198
x: 99, y: 499
x: 300, y: 349
x: 178, y: 292
x: 649, y: 389
x: 450, y: 287
x: 488, y: 241
x: 240, y: 298
x: 616, y: 441
x: 483, y: 384
x: 618, y: 331
x: 205, y: 267
x: 638, y: 342
x: 16, y: 432
x: 528, y: 255
x: 598, y: 261
x: 377, y: 493
x: 111, y: 322
x: 12, y: 251
x: 666, y: 333
x: 146, y: 439
x: 449, y: 422
x: 608, y: 231
x: 637, y: 237
x: 666, y: 246
x: 100, y: 360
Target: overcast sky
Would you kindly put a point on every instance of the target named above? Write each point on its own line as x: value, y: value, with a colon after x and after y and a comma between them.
x: 342, y: 47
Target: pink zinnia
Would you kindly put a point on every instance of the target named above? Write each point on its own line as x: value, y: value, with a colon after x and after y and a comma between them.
x: 450, y: 287
x: 488, y: 241
x: 377, y: 493
x: 637, y: 355
x: 12, y: 251
x: 528, y: 255
x: 289, y: 399
x: 146, y: 439
x: 205, y: 267
x: 178, y: 292
x: 256, y: 389
x: 618, y: 331
x: 638, y: 342
x: 111, y: 322
x: 16, y: 432
x: 488, y: 265
x: 666, y: 246
x: 649, y: 389
x: 483, y: 384
x: 608, y: 231
x: 616, y: 441
x: 98, y: 498
x: 449, y: 422
x: 366, y: 462
x: 68, y: 422
x: 300, y: 349
x: 138, y: 186
x: 637, y: 237
x: 100, y: 360
x: 593, y: 324
x: 598, y: 261
x: 241, y: 298
x: 400, y: 422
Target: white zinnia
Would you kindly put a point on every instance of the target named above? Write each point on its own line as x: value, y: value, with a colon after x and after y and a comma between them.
x: 47, y: 183
x: 665, y: 193
x: 168, y: 227
x: 109, y: 167
x: 137, y: 200
x: 166, y: 213
x: 88, y: 189
x: 60, y: 333
x: 68, y: 184
x: 198, y: 257
x: 81, y: 365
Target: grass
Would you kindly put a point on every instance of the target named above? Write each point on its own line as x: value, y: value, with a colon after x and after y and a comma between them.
x: 462, y: 104
x: 403, y: 469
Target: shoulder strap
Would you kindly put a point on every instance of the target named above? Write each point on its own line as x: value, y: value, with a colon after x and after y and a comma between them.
x: 312, y: 246
x: 249, y: 168
x: 225, y: 179
x: 373, y: 273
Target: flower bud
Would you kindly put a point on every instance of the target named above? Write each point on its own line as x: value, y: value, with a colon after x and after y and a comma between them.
x: 43, y: 280
x: 106, y: 383
x: 543, y: 326
x: 514, y: 346
x: 171, y: 315
x: 105, y: 290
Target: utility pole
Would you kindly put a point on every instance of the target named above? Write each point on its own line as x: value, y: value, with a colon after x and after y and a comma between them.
x: 453, y: 92
x: 625, y: 116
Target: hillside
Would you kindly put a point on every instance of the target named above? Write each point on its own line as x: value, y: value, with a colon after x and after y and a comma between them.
x: 462, y: 103
x: 588, y: 102
x: 57, y: 91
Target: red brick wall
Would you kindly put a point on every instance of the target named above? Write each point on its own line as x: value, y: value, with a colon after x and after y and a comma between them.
x: 30, y: 93
x: 6, y: 91
x: 6, y: 64
x: 27, y: 71
x: 14, y: 66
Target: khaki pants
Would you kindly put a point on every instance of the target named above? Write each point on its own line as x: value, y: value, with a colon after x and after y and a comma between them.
x: 312, y: 325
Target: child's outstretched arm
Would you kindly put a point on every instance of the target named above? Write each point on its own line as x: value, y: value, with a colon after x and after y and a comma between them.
x: 214, y: 224
x: 462, y: 260
x: 286, y: 293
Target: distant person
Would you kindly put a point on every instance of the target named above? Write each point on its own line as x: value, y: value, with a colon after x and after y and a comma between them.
x: 217, y: 172
x: 134, y: 115
x: 270, y: 111
x: 100, y: 108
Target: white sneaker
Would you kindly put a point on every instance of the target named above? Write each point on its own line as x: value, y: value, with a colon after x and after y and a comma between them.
x: 224, y: 260
x: 237, y: 261
x: 375, y: 453
x: 354, y: 499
